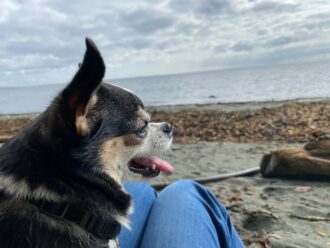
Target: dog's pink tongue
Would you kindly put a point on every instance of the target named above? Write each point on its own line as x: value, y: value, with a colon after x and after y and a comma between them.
x: 160, y: 164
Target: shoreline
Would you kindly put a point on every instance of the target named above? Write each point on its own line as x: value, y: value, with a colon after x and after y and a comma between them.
x: 282, y: 121
x: 235, y: 106
x: 218, y: 106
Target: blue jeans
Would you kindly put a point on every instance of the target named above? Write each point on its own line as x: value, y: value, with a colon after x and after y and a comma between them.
x: 185, y: 214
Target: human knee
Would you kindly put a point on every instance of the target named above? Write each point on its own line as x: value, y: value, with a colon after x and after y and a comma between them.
x: 184, y: 184
x: 182, y: 187
x: 140, y: 188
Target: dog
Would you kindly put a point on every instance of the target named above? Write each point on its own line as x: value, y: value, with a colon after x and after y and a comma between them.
x: 61, y: 176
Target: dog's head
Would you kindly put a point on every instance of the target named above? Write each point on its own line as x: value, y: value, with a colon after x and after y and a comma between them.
x: 105, y: 127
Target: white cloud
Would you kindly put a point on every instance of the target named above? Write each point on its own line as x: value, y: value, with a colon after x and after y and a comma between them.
x: 43, y: 41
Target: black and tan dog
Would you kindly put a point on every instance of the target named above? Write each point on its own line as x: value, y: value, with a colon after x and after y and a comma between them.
x: 60, y: 178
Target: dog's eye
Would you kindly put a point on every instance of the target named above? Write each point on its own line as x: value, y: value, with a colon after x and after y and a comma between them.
x: 142, y: 131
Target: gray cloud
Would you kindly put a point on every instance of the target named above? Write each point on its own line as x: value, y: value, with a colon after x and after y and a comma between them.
x: 147, y: 21
x: 295, y: 53
x: 220, y: 48
x: 42, y: 43
x: 280, y: 41
x: 242, y: 46
x: 323, y: 24
x: 275, y: 6
x: 207, y: 7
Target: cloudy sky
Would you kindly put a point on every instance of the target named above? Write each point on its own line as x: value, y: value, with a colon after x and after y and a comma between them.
x: 42, y: 41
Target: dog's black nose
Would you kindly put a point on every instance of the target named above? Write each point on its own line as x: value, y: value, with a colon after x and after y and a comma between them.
x: 167, y: 128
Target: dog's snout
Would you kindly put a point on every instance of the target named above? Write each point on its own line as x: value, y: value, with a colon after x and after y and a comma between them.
x: 167, y: 128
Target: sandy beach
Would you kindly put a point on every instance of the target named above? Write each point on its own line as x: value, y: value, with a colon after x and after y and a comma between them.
x: 262, y: 209
x: 220, y: 138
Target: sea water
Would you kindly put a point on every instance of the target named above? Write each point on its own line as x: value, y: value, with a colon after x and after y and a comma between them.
x: 280, y: 82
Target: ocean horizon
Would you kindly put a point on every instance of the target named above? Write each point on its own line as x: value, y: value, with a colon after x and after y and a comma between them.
x: 258, y: 84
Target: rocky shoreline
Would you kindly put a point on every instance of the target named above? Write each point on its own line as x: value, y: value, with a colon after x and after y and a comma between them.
x: 287, y: 121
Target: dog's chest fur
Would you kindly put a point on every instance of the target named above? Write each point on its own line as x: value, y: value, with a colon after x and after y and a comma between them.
x: 114, y: 244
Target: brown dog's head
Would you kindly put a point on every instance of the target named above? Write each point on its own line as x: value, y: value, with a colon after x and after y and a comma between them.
x: 100, y: 126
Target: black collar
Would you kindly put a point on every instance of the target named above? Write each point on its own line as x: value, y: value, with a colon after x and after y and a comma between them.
x: 100, y: 228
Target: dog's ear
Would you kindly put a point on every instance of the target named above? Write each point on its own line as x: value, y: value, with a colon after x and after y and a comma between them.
x: 76, y: 97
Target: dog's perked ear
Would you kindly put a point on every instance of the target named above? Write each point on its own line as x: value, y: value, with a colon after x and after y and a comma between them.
x: 75, y: 98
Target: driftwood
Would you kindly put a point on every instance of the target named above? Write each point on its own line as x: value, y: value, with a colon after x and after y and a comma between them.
x: 311, y: 217
x: 215, y: 178
x: 311, y: 161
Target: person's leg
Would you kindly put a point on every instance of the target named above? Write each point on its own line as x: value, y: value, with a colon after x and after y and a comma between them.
x: 143, y: 196
x: 186, y: 214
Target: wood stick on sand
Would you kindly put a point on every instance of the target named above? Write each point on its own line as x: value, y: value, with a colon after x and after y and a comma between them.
x: 203, y: 180
x: 311, y: 218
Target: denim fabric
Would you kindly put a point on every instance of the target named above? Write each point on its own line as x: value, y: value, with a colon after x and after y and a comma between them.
x: 185, y: 214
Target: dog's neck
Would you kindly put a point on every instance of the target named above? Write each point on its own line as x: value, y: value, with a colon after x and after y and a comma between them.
x: 32, y: 170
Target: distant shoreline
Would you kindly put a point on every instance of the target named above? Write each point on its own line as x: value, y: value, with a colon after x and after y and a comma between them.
x: 219, y: 106
x: 236, y: 106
